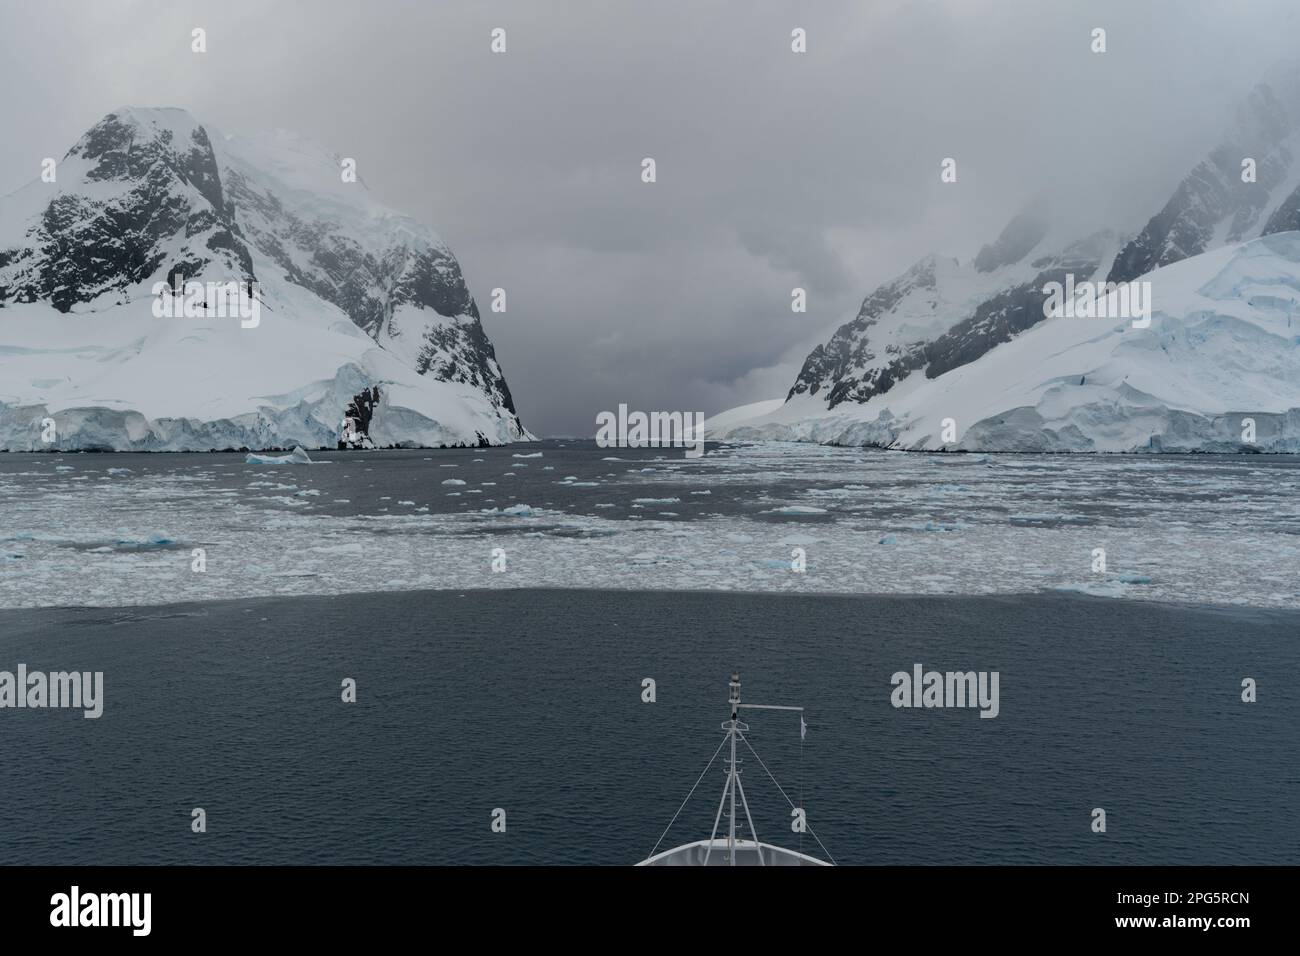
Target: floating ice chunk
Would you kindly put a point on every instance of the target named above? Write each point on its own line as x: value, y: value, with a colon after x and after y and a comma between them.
x: 797, y: 510
x: 453, y: 481
x: 888, y: 539
x: 535, y: 454
x: 657, y: 501
x: 1048, y: 519
x: 295, y: 457
x: 154, y: 541
x: 515, y: 511
x: 1113, y: 589
x: 119, y: 471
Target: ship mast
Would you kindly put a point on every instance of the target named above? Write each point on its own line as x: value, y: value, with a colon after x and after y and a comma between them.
x: 736, y: 729
x: 734, y: 700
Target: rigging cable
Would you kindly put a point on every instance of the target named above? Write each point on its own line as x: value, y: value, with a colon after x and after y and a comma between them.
x: 688, y: 796
x: 787, y: 798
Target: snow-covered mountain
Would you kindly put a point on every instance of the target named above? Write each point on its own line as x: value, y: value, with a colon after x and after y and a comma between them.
x: 1213, y: 206
x: 943, y: 313
x: 362, y: 312
x: 1223, y: 346
x: 892, y: 374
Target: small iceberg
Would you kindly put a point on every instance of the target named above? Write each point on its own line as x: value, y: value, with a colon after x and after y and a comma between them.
x: 295, y: 457
x: 1131, y: 577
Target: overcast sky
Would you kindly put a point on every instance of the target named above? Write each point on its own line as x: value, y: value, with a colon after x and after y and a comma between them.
x: 775, y: 170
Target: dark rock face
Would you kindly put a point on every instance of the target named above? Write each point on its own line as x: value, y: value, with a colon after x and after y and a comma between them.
x: 83, y: 248
x: 1211, y: 193
x: 1211, y: 205
x: 185, y: 206
x: 1212, y: 198
x: 849, y: 368
x: 359, y: 412
x: 1286, y: 218
x: 370, y: 287
x: 839, y: 366
x: 1007, y: 314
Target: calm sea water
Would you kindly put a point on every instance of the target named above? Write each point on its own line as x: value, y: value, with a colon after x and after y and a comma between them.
x: 530, y: 701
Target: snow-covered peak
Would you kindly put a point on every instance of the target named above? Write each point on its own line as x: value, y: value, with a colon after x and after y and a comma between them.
x: 1247, y: 186
x: 150, y: 194
x: 1022, y: 235
x: 1217, y: 369
x: 309, y: 177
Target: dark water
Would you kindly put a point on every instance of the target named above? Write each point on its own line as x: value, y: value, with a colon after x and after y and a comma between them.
x: 1095, y: 487
x: 530, y: 701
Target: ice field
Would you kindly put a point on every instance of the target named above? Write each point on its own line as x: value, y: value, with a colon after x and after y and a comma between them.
x: 122, y: 529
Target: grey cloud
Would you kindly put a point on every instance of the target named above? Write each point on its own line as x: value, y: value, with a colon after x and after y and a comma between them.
x: 774, y: 169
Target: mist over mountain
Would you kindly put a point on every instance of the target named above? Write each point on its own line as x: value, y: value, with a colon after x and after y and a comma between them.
x: 931, y: 345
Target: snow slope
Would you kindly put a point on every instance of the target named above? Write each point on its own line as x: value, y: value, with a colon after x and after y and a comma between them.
x: 944, y: 312
x: 1223, y: 345
x: 874, y: 379
x: 724, y: 421
x: 352, y: 297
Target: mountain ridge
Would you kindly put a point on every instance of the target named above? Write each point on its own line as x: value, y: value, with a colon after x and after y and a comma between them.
x: 942, y: 316
x: 152, y: 195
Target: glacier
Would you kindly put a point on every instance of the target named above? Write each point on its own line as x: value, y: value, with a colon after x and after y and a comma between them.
x: 1223, y: 347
